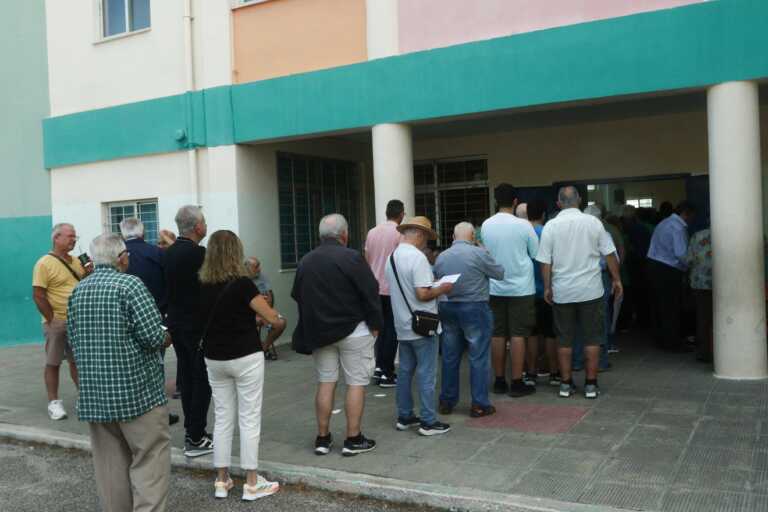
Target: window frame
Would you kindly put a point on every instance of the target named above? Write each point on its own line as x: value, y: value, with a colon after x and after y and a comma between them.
x: 101, y: 31
x: 136, y: 209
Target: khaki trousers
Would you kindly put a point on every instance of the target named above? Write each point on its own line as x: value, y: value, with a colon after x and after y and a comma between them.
x: 132, y: 460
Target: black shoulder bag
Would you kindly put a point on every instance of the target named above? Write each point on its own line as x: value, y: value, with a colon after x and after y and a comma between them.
x: 213, y: 313
x: 424, y: 323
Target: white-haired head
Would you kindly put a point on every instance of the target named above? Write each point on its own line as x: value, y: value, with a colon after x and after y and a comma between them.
x: 60, y: 228
x: 131, y: 227
x: 522, y: 211
x: 464, y: 231
x: 568, y: 197
x: 333, y: 227
x: 107, y: 249
x: 187, y: 219
x: 594, y: 211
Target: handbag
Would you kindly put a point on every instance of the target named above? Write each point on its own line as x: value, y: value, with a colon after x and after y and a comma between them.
x: 423, y: 323
x: 210, y: 317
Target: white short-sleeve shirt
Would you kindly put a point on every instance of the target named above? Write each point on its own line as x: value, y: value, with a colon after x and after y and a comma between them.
x: 415, y: 272
x: 573, y: 243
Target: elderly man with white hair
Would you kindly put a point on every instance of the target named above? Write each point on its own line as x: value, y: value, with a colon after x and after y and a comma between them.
x: 467, y: 319
x: 117, y: 338
x: 339, y: 320
x: 571, y: 247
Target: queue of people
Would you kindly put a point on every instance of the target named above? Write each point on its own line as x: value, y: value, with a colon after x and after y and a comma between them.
x: 530, y: 283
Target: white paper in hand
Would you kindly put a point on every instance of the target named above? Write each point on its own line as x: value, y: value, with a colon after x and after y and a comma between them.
x: 446, y: 279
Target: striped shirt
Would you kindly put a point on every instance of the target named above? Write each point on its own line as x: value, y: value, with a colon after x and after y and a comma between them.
x: 114, y: 329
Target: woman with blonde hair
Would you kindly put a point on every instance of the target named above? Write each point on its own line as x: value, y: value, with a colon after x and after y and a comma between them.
x: 234, y: 356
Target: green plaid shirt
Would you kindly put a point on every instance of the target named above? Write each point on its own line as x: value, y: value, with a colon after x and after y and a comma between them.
x: 114, y: 329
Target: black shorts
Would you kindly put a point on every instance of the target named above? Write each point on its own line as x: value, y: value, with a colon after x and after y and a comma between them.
x: 587, y: 318
x: 513, y: 316
x: 545, y: 323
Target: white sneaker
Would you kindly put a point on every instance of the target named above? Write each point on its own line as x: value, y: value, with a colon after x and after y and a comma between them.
x: 221, y: 489
x: 56, y: 410
x: 262, y: 488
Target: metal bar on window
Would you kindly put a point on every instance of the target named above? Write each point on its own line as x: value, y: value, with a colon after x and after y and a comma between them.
x: 293, y: 205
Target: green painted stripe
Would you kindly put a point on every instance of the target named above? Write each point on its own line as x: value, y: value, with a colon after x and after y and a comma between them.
x: 687, y: 47
x: 25, y: 239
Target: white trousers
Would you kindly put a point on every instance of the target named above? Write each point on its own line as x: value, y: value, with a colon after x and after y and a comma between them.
x: 237, y: 387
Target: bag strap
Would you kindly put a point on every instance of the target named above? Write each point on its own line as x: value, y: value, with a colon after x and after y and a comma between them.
x: 397, y: 278
x: 63, y: 262
x: 213, y: 311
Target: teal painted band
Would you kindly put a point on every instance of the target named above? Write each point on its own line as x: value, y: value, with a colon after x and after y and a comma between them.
x: 25, y: 239
x: 680, y: 48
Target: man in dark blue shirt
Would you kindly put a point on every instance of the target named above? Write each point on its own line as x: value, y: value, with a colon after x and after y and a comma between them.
x: 146, y: 260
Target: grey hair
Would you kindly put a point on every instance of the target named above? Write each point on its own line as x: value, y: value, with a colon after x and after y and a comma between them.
x: 463, y: 231
x: 131, y: 227
x: 333, y: 226
x: 594, y: 211
x: 105, y: 249
x: 409, y: 232
x: 57, y: 229
x: 568, y: 197
x: 188, y: 217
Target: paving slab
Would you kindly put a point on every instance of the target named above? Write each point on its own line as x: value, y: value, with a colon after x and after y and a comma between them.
x: 664, y: 435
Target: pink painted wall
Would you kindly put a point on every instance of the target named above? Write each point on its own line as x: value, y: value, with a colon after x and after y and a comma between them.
x: 428, y: 24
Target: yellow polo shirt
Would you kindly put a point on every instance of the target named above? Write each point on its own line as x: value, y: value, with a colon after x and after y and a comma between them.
x: 58, y: 281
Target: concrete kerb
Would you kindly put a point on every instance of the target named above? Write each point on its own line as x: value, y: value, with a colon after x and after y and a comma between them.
x: 388, y: 489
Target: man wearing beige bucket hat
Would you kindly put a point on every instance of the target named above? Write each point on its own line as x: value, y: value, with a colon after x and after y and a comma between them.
x: 410, y: 280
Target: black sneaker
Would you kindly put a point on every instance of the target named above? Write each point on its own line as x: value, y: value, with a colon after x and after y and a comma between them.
x: 323, y: 445
x: 529, y: 378
x: 377, y: 373
x: 406, y: 423
x: 173, y: 419
x: 500, y: 387
x: 520, y: 389
x: 388, y: 380
x: 357, y: 445
x: 196, y: 449
x: 434, y: 429
x: 555, y: 379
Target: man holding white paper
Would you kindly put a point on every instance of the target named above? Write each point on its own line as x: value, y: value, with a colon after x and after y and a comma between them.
x: 466, y: 318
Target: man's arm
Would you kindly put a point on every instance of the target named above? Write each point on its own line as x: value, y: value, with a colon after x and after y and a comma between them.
x: 489, y: 265
x: 144, y: 318
x: 428, y: 294
x: 368, y: 290
x: 41, y: 301
x: 613, y: 267
x: 680, y: 246
x: 546, y: 277
x: 533, y: 242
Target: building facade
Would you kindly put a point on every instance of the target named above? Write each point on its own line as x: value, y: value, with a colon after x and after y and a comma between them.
x: 25, y: 200
x: 271, y: 113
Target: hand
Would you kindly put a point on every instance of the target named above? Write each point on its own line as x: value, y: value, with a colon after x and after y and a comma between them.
x: 618, y: 289
x: 548, y: 296
x: 260, y: 321
x: 167, y: 342
x: 375, y: 334
x: 267, y: 344
x: 445, y: 288
x: 88, y: 267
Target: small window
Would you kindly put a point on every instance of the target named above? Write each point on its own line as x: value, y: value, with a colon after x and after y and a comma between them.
x: 644, y: 202
x: 145, y: 211
x: 121, y: 16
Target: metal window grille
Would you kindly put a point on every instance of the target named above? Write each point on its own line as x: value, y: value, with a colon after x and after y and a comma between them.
x: 145, y: 211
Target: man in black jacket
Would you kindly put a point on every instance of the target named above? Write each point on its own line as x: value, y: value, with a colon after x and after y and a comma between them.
x: 183, y: 260
x: 339, y: 320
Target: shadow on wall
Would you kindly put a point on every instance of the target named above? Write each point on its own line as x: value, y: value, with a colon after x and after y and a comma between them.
x: 25, y: 239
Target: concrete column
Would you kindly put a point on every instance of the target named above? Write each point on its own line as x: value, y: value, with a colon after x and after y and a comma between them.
x: 392, y: 168
x: 737, y: 231
x: 392, y: 144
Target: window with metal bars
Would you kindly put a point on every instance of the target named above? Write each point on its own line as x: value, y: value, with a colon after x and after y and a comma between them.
x: 145, y: 211
x: 452, y: 191
x: 308, y: 189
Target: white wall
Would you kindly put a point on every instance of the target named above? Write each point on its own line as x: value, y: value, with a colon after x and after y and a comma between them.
x: 86, y: 73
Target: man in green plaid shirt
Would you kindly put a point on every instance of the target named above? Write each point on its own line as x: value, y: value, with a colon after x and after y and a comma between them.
x: 117, y: 339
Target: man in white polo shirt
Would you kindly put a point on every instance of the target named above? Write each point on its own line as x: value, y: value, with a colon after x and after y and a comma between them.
x: 570, y: 250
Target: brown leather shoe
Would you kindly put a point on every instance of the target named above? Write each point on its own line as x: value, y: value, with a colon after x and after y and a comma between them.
x: 445, y: 408
x: 478, y: 411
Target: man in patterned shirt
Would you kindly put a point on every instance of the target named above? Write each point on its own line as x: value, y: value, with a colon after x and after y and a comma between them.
x: 117, y: 339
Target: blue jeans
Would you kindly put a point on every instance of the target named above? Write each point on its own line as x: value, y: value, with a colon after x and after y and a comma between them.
x: 417, y: 357
x: 467, y: 323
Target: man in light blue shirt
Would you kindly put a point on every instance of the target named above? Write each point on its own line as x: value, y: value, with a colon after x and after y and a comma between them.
x: 513, y: 243
x: 667, y: 265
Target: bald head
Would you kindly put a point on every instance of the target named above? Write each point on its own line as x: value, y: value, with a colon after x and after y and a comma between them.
x: 568, y: 197
x: 522, y: 211
x: 464, y: 231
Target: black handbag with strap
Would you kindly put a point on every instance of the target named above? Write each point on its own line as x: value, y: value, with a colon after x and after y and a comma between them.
x: 423, y: 323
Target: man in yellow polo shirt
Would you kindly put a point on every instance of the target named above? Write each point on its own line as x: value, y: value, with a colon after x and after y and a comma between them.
x: 55, y: 276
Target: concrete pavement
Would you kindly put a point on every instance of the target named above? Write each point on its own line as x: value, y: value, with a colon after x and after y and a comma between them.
x: 665, y: 435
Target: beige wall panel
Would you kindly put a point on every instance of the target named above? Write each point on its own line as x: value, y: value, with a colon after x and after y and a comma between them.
x: 284, y: 37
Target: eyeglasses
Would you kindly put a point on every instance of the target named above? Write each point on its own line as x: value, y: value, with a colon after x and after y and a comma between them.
x: 123, y: 252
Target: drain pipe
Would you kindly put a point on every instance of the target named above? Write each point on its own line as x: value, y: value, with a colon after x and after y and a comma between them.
x: 189, y: 60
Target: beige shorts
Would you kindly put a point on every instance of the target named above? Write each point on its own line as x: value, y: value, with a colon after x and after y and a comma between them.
x: 356, y: 357
x: 57, y: 347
